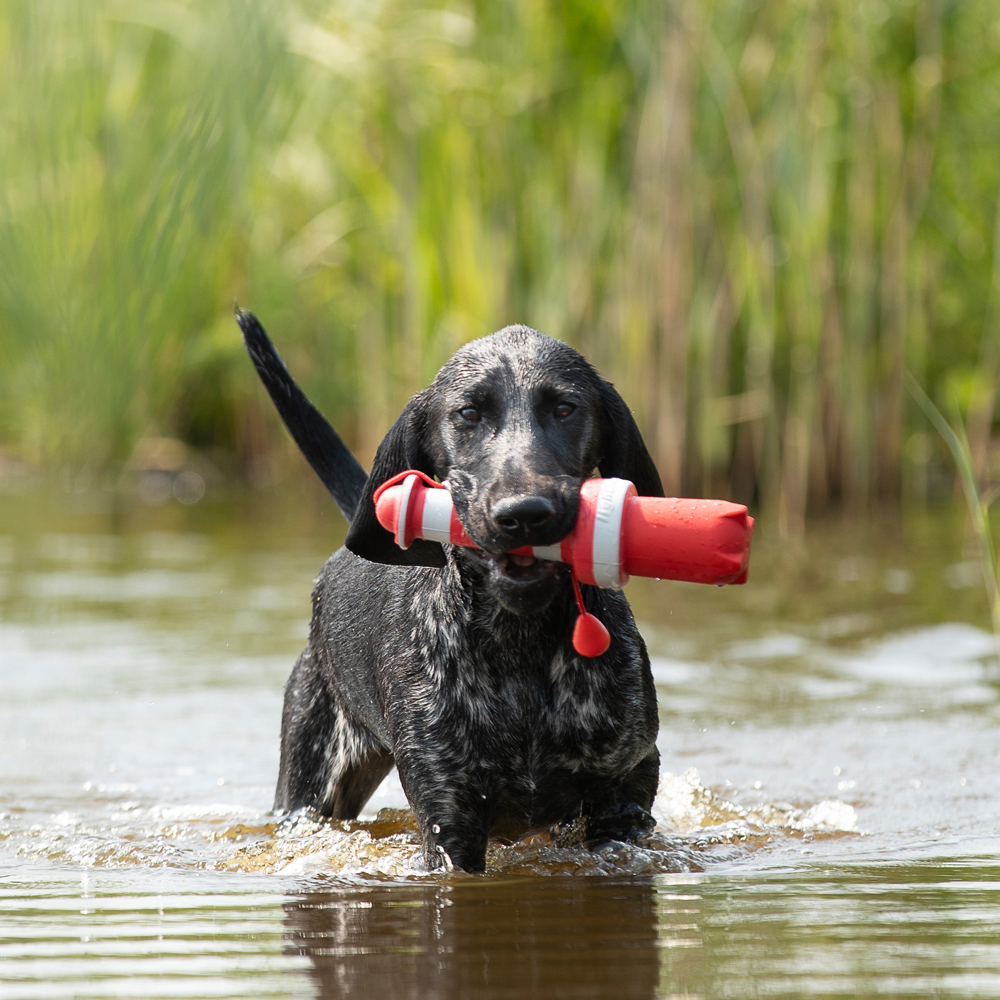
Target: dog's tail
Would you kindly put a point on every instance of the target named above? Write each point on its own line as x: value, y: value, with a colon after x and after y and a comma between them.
x: 340, y: 472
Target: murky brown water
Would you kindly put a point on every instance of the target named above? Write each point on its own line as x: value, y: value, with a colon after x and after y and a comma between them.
x: 828, y: 818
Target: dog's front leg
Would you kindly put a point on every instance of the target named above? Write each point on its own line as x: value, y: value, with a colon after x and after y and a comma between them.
x: 622, y: 812
x: 453, y: 836
x: 454, y: 811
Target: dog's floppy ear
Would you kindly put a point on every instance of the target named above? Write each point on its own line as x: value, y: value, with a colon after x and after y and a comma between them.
x: 402, y: 448
x: 623, y: 451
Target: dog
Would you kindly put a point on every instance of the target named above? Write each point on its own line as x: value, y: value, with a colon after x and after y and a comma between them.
x: 456, y: 664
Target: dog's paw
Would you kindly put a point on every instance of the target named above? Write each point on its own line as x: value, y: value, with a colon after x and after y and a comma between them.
x: 433, y: 861
x: 626, y: 822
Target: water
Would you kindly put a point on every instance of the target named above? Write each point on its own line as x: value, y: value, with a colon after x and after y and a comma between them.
x: 827, y: 813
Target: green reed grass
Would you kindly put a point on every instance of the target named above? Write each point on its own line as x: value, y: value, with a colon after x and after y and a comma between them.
x: 979, y: 514
x: 753, y: 217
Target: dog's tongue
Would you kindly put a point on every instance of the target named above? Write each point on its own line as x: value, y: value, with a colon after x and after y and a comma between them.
x: 521, y: 560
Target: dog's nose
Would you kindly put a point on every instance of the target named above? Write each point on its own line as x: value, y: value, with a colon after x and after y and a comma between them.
x: 524, y: 513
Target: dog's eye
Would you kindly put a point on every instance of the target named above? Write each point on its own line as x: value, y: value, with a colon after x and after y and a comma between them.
x: 563, y: 410
x: 470, y: 413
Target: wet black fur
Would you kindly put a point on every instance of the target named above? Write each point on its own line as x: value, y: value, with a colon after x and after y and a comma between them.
x: 457, y: 666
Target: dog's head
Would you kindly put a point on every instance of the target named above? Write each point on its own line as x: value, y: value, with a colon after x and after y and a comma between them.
x: 512, y: 425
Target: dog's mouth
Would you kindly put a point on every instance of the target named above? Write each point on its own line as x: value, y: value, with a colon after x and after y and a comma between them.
x: 525, y: 569
x: 519, y: 569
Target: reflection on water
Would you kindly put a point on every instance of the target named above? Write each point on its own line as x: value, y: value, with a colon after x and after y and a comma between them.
x: 97, y: 934
x: 924, y: 928
x: 827, y: 813
x: 499, y: 937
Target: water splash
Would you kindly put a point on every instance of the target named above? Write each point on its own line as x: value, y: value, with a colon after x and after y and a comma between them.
x: 684, y: 806
x: 694, y: 827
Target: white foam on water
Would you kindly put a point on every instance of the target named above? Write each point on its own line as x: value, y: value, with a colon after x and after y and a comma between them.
x: 695, y: 827
x: 684, y: 806
x: 830, y: 814
x: 190, y: 813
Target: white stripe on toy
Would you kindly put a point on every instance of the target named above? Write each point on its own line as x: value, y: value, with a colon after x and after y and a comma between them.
x: 404, y: 504
x: 436, y: 520
x: 608, y: 570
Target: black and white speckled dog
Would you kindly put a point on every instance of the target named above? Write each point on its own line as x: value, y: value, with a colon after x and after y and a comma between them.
x: 457, y: 665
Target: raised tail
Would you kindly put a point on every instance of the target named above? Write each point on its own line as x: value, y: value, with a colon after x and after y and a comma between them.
x: 340, y: 472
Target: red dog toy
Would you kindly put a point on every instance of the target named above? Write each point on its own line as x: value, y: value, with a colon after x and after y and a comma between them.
x: 618, y: 534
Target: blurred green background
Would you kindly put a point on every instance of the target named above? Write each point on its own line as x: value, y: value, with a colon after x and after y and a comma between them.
x: 752, y: 216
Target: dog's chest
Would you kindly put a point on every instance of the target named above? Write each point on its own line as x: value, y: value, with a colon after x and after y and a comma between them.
x: 531, y: 713
x: 517, y: 703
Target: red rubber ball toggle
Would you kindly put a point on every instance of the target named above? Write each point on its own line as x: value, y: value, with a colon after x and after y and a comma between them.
x: 590, y: 637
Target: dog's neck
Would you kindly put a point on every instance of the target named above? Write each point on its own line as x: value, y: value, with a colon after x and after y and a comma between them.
x: 543, y: 632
